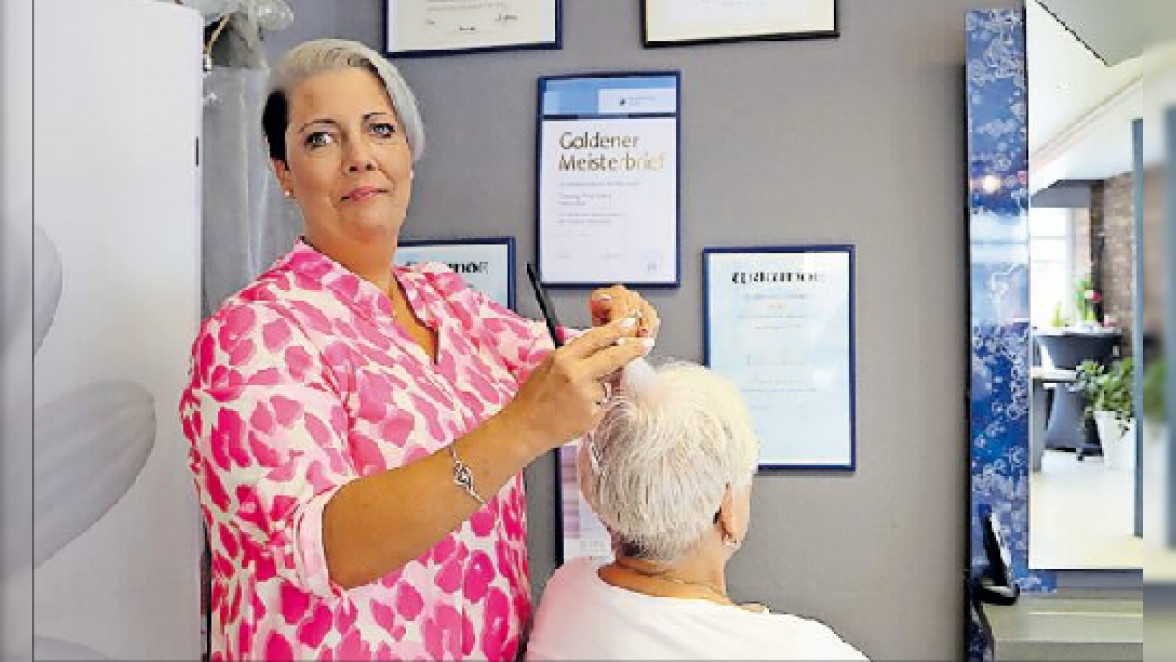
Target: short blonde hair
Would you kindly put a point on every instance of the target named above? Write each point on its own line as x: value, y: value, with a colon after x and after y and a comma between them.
x: 656, y: 467
x: 321, y: 56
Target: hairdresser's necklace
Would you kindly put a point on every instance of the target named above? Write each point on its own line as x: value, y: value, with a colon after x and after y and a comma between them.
x: 661, y: 575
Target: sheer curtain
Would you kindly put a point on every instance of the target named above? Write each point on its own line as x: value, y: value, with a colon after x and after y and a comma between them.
x: 246, y: 223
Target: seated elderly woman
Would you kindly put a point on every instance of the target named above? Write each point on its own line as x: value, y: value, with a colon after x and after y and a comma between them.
x: 668, y: 470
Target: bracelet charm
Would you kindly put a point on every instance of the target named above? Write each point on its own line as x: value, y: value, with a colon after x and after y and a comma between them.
x: 462, y: 476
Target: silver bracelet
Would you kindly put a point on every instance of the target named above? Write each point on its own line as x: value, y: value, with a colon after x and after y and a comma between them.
x: 462, y: 476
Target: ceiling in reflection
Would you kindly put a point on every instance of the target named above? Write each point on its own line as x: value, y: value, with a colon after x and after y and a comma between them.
x: 1080, y: 108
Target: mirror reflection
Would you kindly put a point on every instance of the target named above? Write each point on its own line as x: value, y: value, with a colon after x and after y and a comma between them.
x: 1082, y: 309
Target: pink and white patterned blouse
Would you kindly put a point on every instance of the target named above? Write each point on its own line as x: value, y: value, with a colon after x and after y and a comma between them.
x: 302, y: 382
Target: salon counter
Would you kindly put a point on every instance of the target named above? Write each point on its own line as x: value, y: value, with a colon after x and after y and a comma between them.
x: 1061, y: 628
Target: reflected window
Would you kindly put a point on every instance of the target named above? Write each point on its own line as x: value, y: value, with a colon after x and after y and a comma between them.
x: 1051, y: 269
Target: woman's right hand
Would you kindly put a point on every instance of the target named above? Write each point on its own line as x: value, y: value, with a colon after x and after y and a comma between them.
x: 563, y: 396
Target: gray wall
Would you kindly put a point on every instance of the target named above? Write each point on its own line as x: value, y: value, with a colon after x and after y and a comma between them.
x: 855, y: 140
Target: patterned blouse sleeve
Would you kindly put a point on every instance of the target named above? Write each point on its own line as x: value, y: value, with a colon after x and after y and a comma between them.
x: 267, y: 433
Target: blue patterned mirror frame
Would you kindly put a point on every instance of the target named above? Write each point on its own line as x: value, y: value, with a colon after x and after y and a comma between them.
x: 998, y: 197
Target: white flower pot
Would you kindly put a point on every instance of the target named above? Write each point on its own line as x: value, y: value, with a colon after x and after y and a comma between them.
x: 1156, y: 446
x: 1118, y: 447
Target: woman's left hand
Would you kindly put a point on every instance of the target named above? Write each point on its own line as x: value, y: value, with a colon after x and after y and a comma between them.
x: 610, y: 303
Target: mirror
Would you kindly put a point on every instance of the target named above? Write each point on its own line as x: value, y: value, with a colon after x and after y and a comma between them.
x: 1082, y: 300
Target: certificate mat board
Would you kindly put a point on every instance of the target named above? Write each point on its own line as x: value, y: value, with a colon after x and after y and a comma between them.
x: 779, y: 325
x: 581, y: 533
x: 441, y: 27
x: 608, y: 177
x: 486, y: 265
x: 681, y: 22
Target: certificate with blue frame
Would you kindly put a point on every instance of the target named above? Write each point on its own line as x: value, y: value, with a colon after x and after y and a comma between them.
x: 779, y: 325
x: 487, y: 265
x: 608, y: 180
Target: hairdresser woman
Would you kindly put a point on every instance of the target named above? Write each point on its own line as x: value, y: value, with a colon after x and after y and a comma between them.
x: 358, y: 431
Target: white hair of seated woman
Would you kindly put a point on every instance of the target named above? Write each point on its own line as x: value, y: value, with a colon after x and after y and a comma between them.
x: 656, y: 468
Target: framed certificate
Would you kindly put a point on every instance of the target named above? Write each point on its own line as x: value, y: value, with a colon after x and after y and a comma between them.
x: 608, y: 180
x: 487, y: 265
x: 581, y: 533
x: 441, y: 27
x: 779, y: 324
x: 679, y: 22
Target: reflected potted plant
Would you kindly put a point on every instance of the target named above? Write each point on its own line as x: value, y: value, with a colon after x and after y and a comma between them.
x: 1109, y: 404
x: 1156, y: 447
x: 1151, y: 408
x: 1085, y: 298
x: 1151, y: 412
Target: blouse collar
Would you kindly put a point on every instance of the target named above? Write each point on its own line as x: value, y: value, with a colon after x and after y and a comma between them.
x: 357, y: 292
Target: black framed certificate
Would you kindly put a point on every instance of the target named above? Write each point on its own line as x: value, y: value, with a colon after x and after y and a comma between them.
x: 608, y: 172
x: 779, y: 324
x: 486, y: 264
x: 441, y: 27
x: 682, y: 22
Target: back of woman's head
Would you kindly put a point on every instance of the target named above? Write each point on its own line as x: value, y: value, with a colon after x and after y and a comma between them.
x: 657, y: 466
x: 321, y: 56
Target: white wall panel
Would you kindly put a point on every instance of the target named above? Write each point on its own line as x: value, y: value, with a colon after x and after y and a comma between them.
x: 116, y: 188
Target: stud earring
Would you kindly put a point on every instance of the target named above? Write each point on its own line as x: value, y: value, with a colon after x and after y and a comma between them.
x: 730, y: 541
